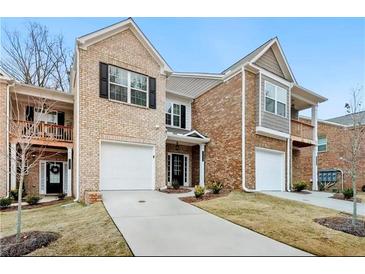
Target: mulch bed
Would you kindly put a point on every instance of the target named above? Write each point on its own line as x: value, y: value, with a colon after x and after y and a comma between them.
x: 12, y: 208
x: 29, y: 241
x: 205, y: 197
x: 174, y: 191
x: 343, y: 224
x: 358, y: 200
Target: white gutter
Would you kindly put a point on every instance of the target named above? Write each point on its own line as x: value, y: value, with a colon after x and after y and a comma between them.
x: 77, y: 105
x: 243, y: 127
x: 187, y: 139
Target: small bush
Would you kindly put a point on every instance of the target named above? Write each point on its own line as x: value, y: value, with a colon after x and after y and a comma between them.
x: 14, y: 194
x: 33, y: 200
x: 5, y: 202
x: 348, y: 193
x: 175, y: 184
x: 299, y: 186
x: 199, y: 191
x: 363, y: 188
x: 216, y: 187
x: 61, y: 196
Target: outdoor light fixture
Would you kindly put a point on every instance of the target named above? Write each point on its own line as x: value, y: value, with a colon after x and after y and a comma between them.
x: 177, y: 146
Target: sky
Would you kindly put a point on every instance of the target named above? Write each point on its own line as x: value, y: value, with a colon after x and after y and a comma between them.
x: 326, y: 55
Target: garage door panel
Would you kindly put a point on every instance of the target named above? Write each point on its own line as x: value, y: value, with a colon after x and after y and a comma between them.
x: 270, y: 169
x: 126, y: 167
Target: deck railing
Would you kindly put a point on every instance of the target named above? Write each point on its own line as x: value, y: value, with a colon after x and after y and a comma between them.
x: 301, y: 129
x: 43, y: 131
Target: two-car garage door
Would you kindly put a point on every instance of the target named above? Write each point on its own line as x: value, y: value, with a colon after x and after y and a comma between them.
x: 270, y: 169
x: 126, y: 166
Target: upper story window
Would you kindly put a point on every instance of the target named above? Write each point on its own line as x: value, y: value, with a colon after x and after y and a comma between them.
x: 127, y: 86
x: 322, y: 144
x: 276, y: 99
x: 173, y: 114
x: 50, y: 117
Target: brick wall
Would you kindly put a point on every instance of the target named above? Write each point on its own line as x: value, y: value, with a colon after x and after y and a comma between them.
x: 337, y: 146
x: 3, y: 133
x: 217, y: 114
x: 101, y: 119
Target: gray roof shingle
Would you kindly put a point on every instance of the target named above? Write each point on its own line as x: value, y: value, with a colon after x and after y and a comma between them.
x: 347, y: 119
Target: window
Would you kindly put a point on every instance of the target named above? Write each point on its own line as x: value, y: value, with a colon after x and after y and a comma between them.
x: 128, y: 87
x: 322, y: 144
x: 275, y: 99
x: 173, y: 114
x: 48, y: 118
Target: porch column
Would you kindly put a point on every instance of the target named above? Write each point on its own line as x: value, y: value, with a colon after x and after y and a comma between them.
x: 201, y: 164
x: 12, y: 166
x: 69, y: 171
x: 314, y: 148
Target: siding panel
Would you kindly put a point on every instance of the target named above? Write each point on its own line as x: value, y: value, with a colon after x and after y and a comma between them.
x: 269, y: 62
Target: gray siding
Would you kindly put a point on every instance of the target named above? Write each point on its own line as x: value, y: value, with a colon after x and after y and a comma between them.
x: 269, y: 62
x: 268, y: 119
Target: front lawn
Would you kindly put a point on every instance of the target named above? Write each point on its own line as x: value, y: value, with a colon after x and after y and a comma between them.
x: 287, y: 221
x: 85, y: 230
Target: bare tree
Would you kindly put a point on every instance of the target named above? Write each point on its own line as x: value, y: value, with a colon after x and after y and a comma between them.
x: 26, y: 155
x: 36, y: 58
x: 355, y: 142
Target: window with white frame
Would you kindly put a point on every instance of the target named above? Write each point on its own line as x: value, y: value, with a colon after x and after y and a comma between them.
x: 173, y: 114
x: 275, y: 99
x: 127, y: 86
x: 43, y: 115
x: 322, y: 144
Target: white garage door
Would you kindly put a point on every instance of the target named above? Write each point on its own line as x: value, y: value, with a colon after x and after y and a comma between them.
x: 270, y: 170
x: 126, y: 167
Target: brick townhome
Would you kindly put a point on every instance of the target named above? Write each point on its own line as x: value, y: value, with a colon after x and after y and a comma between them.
x: 333, y: 145
x: 136, y: 124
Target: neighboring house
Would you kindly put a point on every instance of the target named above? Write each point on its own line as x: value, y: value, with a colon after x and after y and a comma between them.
x: 333, y: 143
x: 139, y: 125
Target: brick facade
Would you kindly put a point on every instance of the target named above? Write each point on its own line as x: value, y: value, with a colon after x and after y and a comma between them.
x: 3, y: 138
x: 217, y: 114
x: 337, y: 145
x: 101, y: 119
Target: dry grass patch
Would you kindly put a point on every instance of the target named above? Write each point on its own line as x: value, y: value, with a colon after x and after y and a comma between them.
x: 85, y: 230
x: 287, y: 221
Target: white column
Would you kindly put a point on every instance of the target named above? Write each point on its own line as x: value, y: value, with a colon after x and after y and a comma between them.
x: 12, y: 166
x: 314, y: 149
x: 201, y: 166
x: 69, y: 171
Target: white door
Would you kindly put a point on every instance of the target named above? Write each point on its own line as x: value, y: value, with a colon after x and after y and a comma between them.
x: 270, y: 170
x: 126, y: 167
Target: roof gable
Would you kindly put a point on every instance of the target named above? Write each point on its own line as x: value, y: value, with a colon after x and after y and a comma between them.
x: 269, y: 62
x: 89, y: 39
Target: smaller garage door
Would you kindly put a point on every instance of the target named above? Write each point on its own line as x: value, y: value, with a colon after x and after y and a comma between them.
x: 270, y: 170
x: 126, y: 167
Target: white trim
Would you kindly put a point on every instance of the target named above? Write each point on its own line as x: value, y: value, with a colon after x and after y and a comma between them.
x: 272, y: 133
x: 92, y: 38
x: 202, y: 165
x: 288, y: 170
x: 134, y: 144
x: 186, y: 180
x: 260, y: 99
x: 272, y: 75
x: 198, y: 75
x: 315, y: 149
x: 276, y: 100
x: 282, y: 186
x: 227, y: 78
x: 13, y: 166
x: 182, y: 138
x: 69, y: 171
x: 322, y: 145
x: 7, y: 138
x: 195, y: 132
x: 43, y: 192
x: 77, y: 126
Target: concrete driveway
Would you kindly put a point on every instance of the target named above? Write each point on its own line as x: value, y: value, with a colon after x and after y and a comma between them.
x: 321, y: 199
x: 159, y: 224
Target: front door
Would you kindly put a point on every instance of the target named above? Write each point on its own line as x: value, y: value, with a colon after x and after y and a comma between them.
x: 178, y: 168
x: 54, y: 177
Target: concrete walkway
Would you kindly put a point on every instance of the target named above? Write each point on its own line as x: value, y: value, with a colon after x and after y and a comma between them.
x: 159, y: 224
x: 321, y: 199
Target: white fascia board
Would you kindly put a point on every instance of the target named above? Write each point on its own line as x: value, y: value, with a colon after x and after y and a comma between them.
x: 85, y: 41
x: 195, y: 132
x: 182, y: 138
x: 320, y: 97
x: 198, y: 75
x: 272, y: 133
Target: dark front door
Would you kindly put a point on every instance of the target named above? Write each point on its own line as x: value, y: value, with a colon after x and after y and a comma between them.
x: 54, y: 178
x: 178, y: 168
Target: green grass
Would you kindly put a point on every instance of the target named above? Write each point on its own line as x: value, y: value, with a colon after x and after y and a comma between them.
x: 287, y: 221
x: 85, y: 230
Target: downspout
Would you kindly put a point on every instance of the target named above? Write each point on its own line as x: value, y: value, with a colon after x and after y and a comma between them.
x: 340, y: 170
x: 7, y: 136
x: 243, y: 126
x: 77, y: 147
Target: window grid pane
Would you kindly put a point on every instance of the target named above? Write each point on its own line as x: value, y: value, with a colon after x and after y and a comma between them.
x: 281, y: 109
x: 118, y: 93
x: 176, y: 120
x: 138, y: 97
x: 168, y: 119
x: 270, y: 105
x: 138, y: 81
